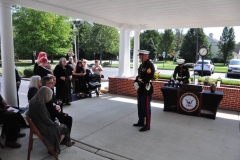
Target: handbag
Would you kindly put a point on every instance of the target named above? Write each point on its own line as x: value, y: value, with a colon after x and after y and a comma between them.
x: 102, y: 76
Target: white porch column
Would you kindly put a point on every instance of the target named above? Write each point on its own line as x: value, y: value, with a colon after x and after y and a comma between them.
x: 127, y: 54
x: 8, y: 86
x: 135, y: 52
x: 121, y: 54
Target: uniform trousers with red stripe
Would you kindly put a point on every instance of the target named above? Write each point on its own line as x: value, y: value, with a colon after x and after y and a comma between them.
x: 144, y: 110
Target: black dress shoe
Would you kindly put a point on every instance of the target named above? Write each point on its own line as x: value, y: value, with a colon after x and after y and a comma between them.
x: 138, y: 125
x: 68, y: 103
x: 144, y: 129
x: 12, y: 144
x: 19, y: 135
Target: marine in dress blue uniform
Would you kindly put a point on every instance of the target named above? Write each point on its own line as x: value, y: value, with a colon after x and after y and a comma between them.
x: 144, y: 88
x: 181, y: 72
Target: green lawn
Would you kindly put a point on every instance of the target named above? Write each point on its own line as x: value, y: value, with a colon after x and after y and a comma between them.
x: 219, y: 67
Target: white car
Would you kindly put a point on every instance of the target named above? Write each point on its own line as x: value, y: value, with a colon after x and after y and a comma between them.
x: 208, y: 67
x: 234, y: 68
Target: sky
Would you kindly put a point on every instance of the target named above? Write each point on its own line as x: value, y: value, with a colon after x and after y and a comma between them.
x: 217, y: 32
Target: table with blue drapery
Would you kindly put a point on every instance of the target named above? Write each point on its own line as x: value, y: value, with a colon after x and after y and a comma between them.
x: 203, y: 103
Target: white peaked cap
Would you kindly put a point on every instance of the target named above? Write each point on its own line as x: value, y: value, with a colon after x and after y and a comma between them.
x: 180, y: 61
x: 143, y: 52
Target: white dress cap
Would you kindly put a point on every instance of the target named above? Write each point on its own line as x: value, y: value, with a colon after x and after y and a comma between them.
x: 180, y: 61
x: 143, y: 52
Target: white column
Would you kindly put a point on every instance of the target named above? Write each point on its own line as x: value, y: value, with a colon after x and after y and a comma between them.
x: 8, y: 86
x: 127, y: 54
x: 135, y: 52
x: 121, y: 54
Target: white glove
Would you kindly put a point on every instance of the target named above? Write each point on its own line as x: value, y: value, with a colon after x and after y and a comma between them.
x: 136, y: 85
x: 181, y: 82
x: 176, y: 81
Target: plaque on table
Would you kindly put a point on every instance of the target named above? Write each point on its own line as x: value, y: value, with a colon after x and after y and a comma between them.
x: 192, y: 87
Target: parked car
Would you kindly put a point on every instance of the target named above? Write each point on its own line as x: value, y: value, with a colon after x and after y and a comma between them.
x: 208, y: 67
x: 233, y: 67
x: 189, y: 65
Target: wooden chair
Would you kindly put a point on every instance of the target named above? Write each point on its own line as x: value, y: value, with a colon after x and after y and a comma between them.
x: 34, y: 133
x: 1, y: 145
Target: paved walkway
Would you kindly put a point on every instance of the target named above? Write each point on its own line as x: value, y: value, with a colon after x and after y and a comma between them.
x: 103, y: 130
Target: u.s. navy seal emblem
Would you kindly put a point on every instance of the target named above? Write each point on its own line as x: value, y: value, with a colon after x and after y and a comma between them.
x: 189, y: 102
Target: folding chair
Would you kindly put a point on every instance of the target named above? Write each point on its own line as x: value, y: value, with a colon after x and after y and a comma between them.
x: 1, y: 145
x: 34, y: 133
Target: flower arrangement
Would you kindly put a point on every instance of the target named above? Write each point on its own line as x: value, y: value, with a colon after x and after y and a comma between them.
x: 156, y: 75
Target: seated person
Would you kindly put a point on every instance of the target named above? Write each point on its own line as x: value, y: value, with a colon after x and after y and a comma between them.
x: 53, y: 108
x: 34, y: 85
x: 53, y: 132
x: 10, y: 121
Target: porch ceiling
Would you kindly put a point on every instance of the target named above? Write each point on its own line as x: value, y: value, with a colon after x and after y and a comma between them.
x: 145, y: 14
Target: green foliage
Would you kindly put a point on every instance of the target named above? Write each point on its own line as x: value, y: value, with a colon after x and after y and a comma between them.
x: 178, y: 39
x: 104, y: 39
x: 167, y: 43
x: 28, y: 72
x: 106, y: 64
x: 85, y: 34
x: 40, y: 31
x: 189, y: 45
x: 151, y: 47
x: 226, y: 45
x: 156, y: 75
x: 165, y: 76
x: 146, y: 35
x: 21, y: 72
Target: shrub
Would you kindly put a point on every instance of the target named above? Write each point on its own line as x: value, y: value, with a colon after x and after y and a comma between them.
x: 20, y: 72
x: 28, y: 72
x: 165, y: 76
x: 156, y: 75
x: 106, y: 64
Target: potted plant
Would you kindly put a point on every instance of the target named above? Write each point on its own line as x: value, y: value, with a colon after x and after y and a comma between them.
x: 206, y: 80
x: 212, y: 87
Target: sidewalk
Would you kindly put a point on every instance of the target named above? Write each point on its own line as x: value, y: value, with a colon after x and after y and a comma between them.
x: 102, y: 128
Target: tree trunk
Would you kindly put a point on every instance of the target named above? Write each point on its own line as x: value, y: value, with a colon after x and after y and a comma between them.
x: 100, y: 58
x: 51, y: 58
x: 33, y: 59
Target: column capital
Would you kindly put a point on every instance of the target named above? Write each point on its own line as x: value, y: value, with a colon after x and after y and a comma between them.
x: 6, y: 3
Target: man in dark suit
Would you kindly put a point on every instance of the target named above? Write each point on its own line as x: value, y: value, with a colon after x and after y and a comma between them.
x: 10, y: 121
x: 54, y: 107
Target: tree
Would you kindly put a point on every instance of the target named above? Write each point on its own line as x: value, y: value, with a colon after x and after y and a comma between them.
x: 146, y: 35
x: 226, y: 45
x: 104, y: 39
x: 40, y: 31
x: 178, y: 39
x: 151, y: 47
x: 85, y: 33
x: 167, y: 42
x: 189, y: 45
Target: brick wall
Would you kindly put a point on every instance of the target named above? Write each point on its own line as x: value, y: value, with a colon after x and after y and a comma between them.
x: 124, y: 86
